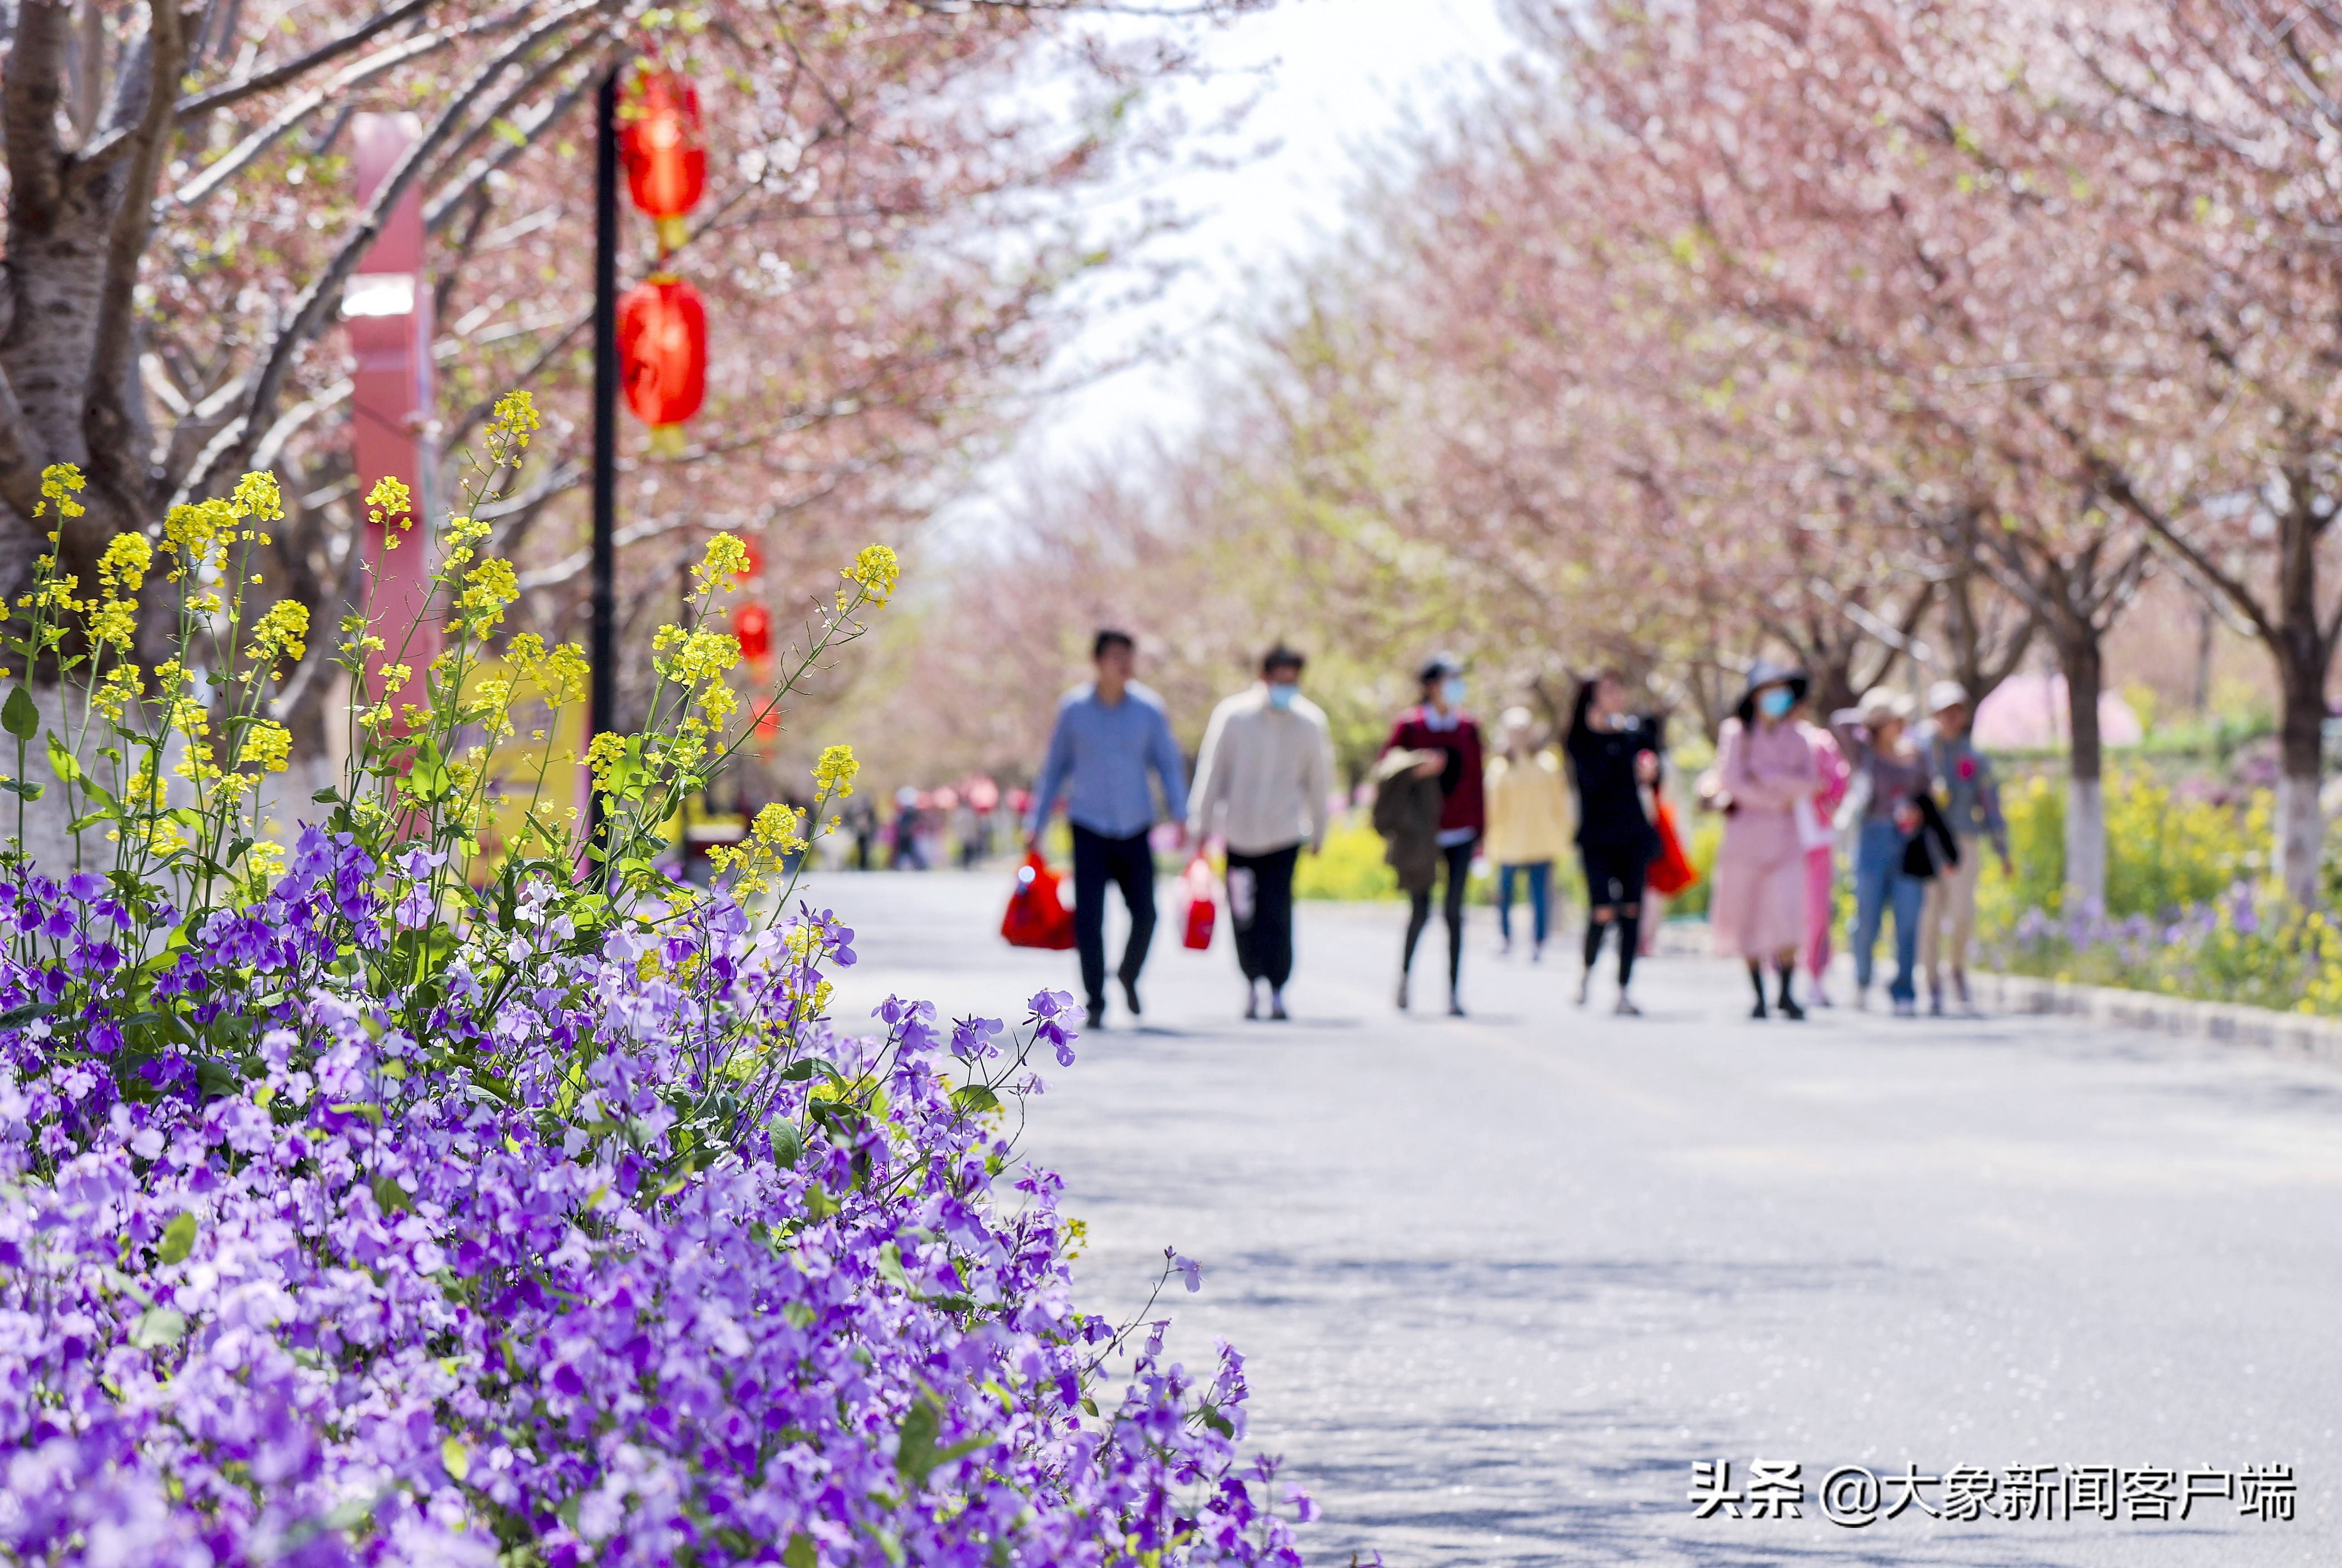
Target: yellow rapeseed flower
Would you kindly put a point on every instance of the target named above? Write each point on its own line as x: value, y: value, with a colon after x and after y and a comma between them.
x: 876, y: 571
x: 833, y: 775
x: 60, y: 482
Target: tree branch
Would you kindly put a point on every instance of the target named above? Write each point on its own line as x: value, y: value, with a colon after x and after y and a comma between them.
x: 506, y: 110
x: 300, y: 66
x: 310, y: 309
x: 444, y: 206
x: 2200, y: 567
x: 30, y: 92
x: 238, y: 156
x: 109, y: 422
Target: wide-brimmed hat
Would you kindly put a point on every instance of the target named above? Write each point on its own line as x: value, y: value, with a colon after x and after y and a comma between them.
x: 1392, y: 764
x: 1946, y: 694
x: 1884, y: 703
x: 1765, y: 673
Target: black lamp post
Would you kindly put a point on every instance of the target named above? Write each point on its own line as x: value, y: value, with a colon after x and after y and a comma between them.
x: 601, y: 703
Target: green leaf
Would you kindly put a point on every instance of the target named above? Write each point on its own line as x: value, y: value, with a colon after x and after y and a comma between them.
x: 799, y: 1552
x: 18, y: 716
x: 510, y: 132
x: 62, y: 762
x: 25, y: 788
x: 371, y: 1112
x: 789, y: 1144
x: 158, y: 1326
x: 890, y: 1266
x: 389, y: 1195
x: 178, y: 1239
x: 915, y: 1453
x: 975, y: 1097
x: 455, y: 1458
x: 350, y: 1514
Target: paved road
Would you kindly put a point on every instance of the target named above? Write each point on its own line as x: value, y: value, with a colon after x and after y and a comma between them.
x: 1501, y: 1281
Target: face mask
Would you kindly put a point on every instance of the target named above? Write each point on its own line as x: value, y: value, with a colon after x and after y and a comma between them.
x: 1776, y: 700
x: 1452, y: 688
x: 1281, y: 694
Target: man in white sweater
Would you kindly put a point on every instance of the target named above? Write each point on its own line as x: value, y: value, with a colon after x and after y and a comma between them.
x: 1263, y: 784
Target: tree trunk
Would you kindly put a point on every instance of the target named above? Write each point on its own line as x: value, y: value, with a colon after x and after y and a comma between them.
x: 2304, y: 651
x: 2080, y: 659
x: 2300, y: 825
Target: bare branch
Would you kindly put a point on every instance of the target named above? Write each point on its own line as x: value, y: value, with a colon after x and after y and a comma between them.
x: 241, y: 154
x: 442, y: 207
x: 300, y: 66
x: 310, y: 309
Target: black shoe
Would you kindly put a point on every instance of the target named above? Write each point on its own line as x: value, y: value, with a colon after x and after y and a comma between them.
x: 1455, y: 1006
x: 1790, y: 1009
x: 1759, y: 1011
x: 1130, y: 996
x: 1401, y: 993
x: 1094, y: 1016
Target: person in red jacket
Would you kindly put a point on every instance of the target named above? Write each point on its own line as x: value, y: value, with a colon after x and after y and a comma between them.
x: 1440, y: 724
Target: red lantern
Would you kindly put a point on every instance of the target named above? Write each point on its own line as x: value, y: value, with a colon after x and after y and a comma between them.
x: 663, y: 355
x: 664, y: 151
x: 752, y: 624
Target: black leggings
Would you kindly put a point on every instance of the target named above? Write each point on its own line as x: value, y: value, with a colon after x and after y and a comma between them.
x: 1458, y: 858
x: 1614, y: 882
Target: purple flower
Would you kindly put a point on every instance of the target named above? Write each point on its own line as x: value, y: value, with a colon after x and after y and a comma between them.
x: 622, y: 1249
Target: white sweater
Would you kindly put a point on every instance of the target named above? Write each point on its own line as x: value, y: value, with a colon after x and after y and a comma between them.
x: 1263, y: 777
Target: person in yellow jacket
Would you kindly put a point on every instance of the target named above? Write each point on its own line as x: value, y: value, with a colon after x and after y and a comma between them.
x: 1528, y: 826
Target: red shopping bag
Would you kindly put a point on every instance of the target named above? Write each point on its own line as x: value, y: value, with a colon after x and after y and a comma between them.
x: 1036, y: 916
x: 1673, y: 870
x: 1202, y: 912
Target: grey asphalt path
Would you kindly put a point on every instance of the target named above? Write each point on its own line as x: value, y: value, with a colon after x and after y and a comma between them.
x: 1501, y: 1281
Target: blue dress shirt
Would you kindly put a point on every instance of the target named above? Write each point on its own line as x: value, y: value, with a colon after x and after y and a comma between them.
x: 1099, y: 755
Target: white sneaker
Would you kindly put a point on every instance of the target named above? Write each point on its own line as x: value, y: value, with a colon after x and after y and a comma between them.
x: 1626, y: 1008
x: 1584, y: 987
x: 1904, y: 1007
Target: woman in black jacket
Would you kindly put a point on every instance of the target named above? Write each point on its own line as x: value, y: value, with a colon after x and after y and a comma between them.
x: 1614, y: 755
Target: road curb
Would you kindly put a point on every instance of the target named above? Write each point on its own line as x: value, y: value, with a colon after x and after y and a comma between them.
x: 2288, y: 1033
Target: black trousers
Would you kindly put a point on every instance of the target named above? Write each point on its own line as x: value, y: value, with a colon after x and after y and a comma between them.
x: 1262, y: 913
x: 1129, y: 864
x: 1458, y: 857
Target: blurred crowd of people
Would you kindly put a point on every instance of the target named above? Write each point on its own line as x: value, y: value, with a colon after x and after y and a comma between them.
x: 1893, y: 790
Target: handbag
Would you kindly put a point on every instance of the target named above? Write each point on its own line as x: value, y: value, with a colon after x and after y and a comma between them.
x: 1037, y: 916
x: 1203, y: 912
x: 1671, y: 870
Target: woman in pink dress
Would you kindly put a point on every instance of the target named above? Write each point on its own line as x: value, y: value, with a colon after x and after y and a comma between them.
x: 1814, y: 829
x: 1758, y: 911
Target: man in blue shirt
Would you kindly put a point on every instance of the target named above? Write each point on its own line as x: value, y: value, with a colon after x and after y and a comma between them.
x: 1108, y: 734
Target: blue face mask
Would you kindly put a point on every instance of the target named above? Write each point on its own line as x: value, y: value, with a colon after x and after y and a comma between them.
x: 1281, y: 694
x: 1452, y: 688
x: 1774, y: 701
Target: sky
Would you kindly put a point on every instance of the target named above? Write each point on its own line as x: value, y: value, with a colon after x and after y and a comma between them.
x: 1325, y: 77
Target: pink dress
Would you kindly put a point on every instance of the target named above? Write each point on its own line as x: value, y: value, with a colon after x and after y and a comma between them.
x: 1821, y: 853
x: 1758, y: 908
